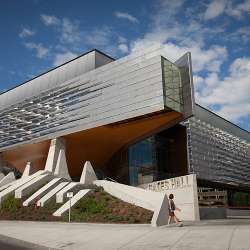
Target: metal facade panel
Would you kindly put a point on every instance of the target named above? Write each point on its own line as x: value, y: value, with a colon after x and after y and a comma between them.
x: 218, y: 150
x: 51, y: 79
x: 101, y: 59
x: 71, y: 102
x: 93, y: 99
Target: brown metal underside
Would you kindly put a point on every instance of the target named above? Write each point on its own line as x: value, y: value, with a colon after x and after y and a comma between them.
x: 35, y: 153
x: 97, y: 145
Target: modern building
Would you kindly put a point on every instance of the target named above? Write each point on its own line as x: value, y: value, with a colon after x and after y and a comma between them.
x: 134, y: 118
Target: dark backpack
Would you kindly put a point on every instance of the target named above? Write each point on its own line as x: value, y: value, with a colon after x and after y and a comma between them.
x: 171, y: 205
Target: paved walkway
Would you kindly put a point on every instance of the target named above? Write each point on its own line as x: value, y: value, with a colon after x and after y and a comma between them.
x: 219, y: 235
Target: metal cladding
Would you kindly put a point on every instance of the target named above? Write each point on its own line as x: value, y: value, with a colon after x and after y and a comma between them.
x: 218, y: 151
x: 65, y: 100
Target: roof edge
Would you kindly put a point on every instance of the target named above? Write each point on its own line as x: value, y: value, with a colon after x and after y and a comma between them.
x: 223, y: 118
x: 44, y: 73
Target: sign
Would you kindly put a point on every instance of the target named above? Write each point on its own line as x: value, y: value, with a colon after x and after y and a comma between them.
x: 70, y: 194
x: 184, y: 189
x: 170, y: 184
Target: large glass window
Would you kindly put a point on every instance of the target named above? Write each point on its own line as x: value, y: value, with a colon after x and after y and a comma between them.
x: 158, y: 157
x: 172, y: 86
x: 142, y: 162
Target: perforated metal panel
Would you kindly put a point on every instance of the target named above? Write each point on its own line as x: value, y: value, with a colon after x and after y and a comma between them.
x: 218, y: 151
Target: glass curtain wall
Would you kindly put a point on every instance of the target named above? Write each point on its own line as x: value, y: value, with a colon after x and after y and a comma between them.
x: 142, y: 162
x: 172, y: 86
x: 158, y: 157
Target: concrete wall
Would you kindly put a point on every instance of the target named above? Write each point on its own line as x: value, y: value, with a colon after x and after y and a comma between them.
x: 154, y: 201
x: 184, y: 189
x: 212, y: 213
x: 238, y: 212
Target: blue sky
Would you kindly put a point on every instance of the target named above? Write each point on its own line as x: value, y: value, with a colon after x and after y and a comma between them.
x: 37, y: 35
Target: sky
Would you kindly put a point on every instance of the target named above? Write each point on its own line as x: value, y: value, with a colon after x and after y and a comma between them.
x: 37, y: 35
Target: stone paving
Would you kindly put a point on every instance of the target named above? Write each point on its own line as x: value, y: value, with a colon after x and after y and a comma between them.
x: 227, y: 234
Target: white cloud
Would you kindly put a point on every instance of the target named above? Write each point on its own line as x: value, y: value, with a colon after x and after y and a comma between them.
x: 229, y: 7
x: 70, y: 32
x: 41, y: 51
x: 63, y: 57
x: 49, y: 20
x: 230, y: 93
x: 127, y: 16
x: 26, y: 32
x: 244, y: 33
x: 214, y: 9
x: 123, y: 48
x: 99, y: 37
x: 203, y: 59
x: 122, y: 39
x: 238, y: 10
x: 185, y: 34
x: 72, y: 39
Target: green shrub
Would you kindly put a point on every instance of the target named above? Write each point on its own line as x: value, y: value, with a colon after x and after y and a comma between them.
x: 91, y: 206
x: 52, y: 205
x: 114, y: 218
x: 10, y: 204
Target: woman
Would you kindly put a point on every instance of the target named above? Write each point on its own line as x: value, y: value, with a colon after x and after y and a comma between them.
x: 172, y: 208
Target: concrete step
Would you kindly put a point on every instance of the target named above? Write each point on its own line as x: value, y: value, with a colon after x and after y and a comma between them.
x: 42, y: 191
x: 18, y: 183
x: 51, y: 194
x: 10, y: 177
x: 74, y: 200
x: 32, y: 185
x: 7, y: 185
x: 1, y: 176
x: 73, y: 187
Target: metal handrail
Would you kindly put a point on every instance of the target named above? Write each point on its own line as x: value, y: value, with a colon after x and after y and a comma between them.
x: 108, y: 178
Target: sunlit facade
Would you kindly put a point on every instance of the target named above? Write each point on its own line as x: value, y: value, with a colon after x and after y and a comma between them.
x: 214, y: 149
x: 97, y: 105
x: 134, y: 118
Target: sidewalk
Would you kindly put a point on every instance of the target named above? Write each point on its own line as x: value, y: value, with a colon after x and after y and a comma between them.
x: 216, y: 234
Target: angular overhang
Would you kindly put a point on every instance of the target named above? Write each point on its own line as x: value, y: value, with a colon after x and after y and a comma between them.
x: 143, y: 83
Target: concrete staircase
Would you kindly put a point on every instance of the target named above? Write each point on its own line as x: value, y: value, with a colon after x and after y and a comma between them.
x: 51, y: 194
x: 74, y: 200
x: 42, y: 191
x: 48, y: 186
x: 72, y: 186
x: 10, y: 190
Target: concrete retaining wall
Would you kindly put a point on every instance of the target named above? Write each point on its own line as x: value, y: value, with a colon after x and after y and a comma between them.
x: 154, y: 201
x: 238, y: 212
x: 184, y: 189
x: 212, y: 213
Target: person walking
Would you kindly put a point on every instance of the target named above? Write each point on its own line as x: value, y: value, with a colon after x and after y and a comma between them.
x: 172, y: 209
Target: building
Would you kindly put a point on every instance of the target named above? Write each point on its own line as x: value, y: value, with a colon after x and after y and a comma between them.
x: 214, y: 149
x: 134, y: 118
